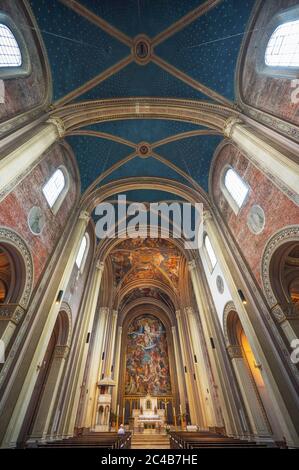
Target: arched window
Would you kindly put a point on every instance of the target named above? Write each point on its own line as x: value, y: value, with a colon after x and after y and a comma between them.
x: 283, y: 47
x: 10, y: 53
x: 14, y: 56
x: 210, y: 252
x: 56, y: 188
x: 236, y: 188
x: 81, y: 256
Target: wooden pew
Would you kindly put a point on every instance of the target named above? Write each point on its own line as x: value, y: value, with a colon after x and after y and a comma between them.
x: 206, y: 440
x: 105, y: 440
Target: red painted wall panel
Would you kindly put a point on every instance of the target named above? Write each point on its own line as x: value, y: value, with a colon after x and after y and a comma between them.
x: 15, y: 207
x: 279, y: 210
x: 267, y: 93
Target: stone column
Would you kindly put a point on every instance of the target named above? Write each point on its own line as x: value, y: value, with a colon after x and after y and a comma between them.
x: 273, y: 370
x: 110, y: 345
x: 202, y: 378
x: 187, y: 371
x: 15, y: 165
x: 73, y: 396
x: 257, y: 418
x: 263, y: 154
x: 60, y: 283
x: 179, y: 368
x: 44, y: 414
x: 94, y: 366
x: 228, y: 410
x: 116, y: 369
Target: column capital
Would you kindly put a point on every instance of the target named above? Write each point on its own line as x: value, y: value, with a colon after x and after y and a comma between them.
x: 207, y: 215
x: 178, y: 313
x: 114, y: 313
x: 104, y: 311
x: 192, y: 265
x: 229, y: 125
x: 84, y: 215
x: 189, y: 311
x: 234, y: 352
x: 100, y: 265
x: 61, y: 351
x: 58, y: 122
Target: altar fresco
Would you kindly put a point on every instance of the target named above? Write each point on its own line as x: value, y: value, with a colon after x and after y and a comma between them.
x: 147, y: 363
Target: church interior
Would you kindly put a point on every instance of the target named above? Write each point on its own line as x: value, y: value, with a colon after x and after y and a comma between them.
x: 143, y: 342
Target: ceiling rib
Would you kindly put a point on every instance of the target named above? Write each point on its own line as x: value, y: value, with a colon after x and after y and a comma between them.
x: 190, y: 81
x: 103, y: 135
x: 94, y: 81
x: 98, y: 21
x: 184, y: 21
x: 184, y: 135
x: 174, y: 28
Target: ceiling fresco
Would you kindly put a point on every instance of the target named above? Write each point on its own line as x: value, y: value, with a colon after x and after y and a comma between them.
x: 190, y: 52
x: 146, y: 292
x: 149, y: 259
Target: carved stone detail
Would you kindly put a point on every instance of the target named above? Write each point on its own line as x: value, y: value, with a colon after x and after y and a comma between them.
x: 192, y: 265
x: 58, y: 122
x: 287, y: 234
x: 84, y: 215
x: 100, y: 265
x: 12, y: 238
x: 229, y: 126
x: 207, y: 215
x: 11, y: 312
x: 104, y: 311
x: 234, y: 352
x: 189, y: 311
x: 61, y: 351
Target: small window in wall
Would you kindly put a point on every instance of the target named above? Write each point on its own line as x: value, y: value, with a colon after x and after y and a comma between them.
x: 56, y: 188
x: 283, y: 47
x: 210, y: 252
x: 236, y: 188
x: 10, y: 53
x: 81, y: 256
x: 14, y: 56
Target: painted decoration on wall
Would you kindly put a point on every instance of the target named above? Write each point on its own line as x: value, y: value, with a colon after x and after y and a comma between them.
x: 146, y: 259
x: 220, y: 284
x: 256, y: 219
x: 147, y: 363
x: 36, y: 220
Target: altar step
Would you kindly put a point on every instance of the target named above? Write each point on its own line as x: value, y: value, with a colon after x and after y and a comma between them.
x: 150, y: 441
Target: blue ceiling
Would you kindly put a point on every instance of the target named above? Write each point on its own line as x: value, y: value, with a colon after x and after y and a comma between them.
x: 206, y: 50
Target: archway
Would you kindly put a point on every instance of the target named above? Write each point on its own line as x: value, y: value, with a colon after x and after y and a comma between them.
x: 284, y: 275
x: 16, y: 281
x: 44, y: 396
x: 280, y: 277
x: 248, y: 373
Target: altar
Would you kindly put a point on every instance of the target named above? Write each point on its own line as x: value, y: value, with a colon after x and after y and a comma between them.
x: 149, y: 416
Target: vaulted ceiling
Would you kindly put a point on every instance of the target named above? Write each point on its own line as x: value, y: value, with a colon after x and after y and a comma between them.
x: 186, y: 49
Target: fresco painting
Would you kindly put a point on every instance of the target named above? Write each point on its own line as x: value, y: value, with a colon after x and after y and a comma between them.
x: 147, y: 363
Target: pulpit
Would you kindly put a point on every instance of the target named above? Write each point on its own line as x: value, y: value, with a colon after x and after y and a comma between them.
x: 104, y: 405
